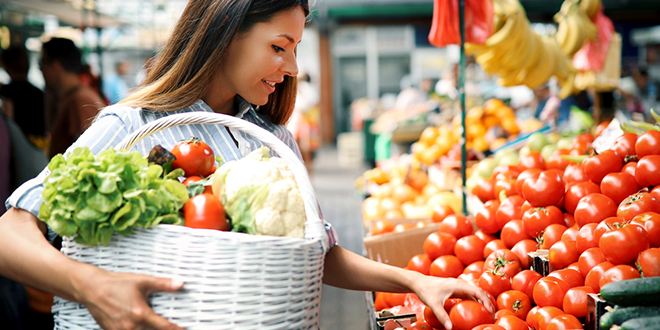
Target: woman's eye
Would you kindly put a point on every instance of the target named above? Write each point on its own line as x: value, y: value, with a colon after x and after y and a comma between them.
x: 278, y: 49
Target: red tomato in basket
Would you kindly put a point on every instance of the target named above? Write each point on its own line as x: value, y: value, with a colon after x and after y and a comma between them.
x: 193, y: 157
x: 205, y: 211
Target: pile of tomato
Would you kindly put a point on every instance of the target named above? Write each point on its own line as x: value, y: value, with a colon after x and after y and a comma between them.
x: 599, y: 219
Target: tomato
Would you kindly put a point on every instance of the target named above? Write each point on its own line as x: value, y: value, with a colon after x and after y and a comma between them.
x: 545, y: 314
x: 469, y: 276
x: 636, y: 204
x: 570, y: 234
x: 586, y: 237
x: 402, y: 227
x: 468, y: 314
x: 580, y: 148
x: 439, y: 244
x: 629, y: 168
x: 513, y: 233
x: 503, y: 312
x: 606, y: 225
x: 489, y: 327
x: 624, y: 146
x: 524, y: 281
x: 420, y: 325
x: 551, y: 235
x: 431, y: 319
x: 550, y: 291
x: 562, y: 254
x: 564, y: 322
x: 648, y: 143
x: 205, y: 211
x: 531, y: 320
x: 504, y: 261
x: 457, y: 225
x: 525, y: 207
x: 484, y: 237
x: 531, y: 160
x: 618, y: 273
x: 618, y: 186
x: 535, y: 220
x: 594, y: 208
x: 193, y: 157
x: 601, y: 128
x: 440, y: 212
x: 484, y: 189
x: 515, y: 301
x: 507, y: 185
x: 575, y: 191
x: 469, y: 249
x: 509, y: 209
x: 574, y: 173
x: 382, y: 227
x: 522, y: 250
x: 420, y: 263
x: 494, y: 282
x: 593, y: 277
x: 547, y: 189
x: 506, y: 171
x: 446, y: 266
x: 646, y: 171
x: 656, y: 192
x: 493, y: 246
x: 624, y: 243
x: 597, y: 166
x: 585, y: 137
x: 379, y: 302
x: 524, y: 175
x: 196, y: 178
x: 555, y: 161
x: 485, y: 217
x: 575, y: 300
x: 477, y: 266
x: 648, y: 262
x: 511, y: 322
x: 589, y: 259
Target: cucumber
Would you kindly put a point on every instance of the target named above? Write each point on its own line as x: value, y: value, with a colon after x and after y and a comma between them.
x: 636, y: 292
x: 621, y: 314
x: 652, y: 322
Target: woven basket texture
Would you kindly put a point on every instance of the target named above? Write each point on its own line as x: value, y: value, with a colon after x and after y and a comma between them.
x: 232, y: 280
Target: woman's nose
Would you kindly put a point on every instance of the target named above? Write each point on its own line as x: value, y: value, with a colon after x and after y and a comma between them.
x: 290, y: 66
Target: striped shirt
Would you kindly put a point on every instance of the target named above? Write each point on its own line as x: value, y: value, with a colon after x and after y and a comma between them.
x: 116, y: 122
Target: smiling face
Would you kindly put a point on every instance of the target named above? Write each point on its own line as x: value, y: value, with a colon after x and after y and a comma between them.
x: 257, y: 60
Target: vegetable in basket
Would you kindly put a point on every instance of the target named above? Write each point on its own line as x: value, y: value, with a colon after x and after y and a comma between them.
x: 260, y: 195
x: 93, y: 197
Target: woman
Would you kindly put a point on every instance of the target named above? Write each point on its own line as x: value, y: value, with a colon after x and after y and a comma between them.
x: 223, y: 56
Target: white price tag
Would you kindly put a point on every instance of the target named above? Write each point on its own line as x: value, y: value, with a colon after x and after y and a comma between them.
x: 606, y: 139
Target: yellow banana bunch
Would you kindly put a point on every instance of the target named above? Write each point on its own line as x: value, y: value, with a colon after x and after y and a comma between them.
x: 574, y: 28
x: 590, y: 7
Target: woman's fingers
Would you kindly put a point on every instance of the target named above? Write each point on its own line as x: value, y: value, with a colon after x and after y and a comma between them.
x: 151, y: 284
x: 157, y: 322
x: 442, y: 316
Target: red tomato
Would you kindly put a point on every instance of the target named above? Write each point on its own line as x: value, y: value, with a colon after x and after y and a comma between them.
x: 525, y: 281
x: 555, y: 161
x: 589, y: 259
x: 484, y: 237
x: 512, y: 233
x: 656, y: 192
x: 535, y: 220
x: 531, y: 320
x: 597, y: 166
x: 564, y: 322
x: 402, y: 227
x: 446, y: 266
x: 379, y: 302
x: 205, y: 211
x: 601, y: 128
x: 586, y: 237
x: 440, y: 212
x: 607, y: 225
x: 522, y: 250
x: 484, y: 189
x: 395, y: 299
x: 562, y: 254
x: 580, y: 148
x: 468, y: 314
x: 504, y: 261
x: 485, y: 217
x: 494, y: 282
x: 550, y: 291
x: 575, y: 300
x: 193, y: 157
x: 196, y: 178
x: 420, y: 263
x: 511, y: 322
x: 506, y: 171
x: 525, y: 207
x: 431, y: 319
x: 649, y: 262
x: 594, y: 208
x: 585, y: 137
x: 477, y: 266
x: 457, y: 225
x: 493, y: 246
x: 570, y: 276
x: 636, y: 204
x: 439, y: 244
x: 618, y: 273
x: 545, y: 314
x: 624, y: 146
x: 420, y: 325
x: 382, y: 227
x: 623, y: 244
x: 646, y: 171
x: 515, y: 301
x: 508, y: 185
x: 489, y: 327
x: 469, y: 249
x: 524, y: 175
x: 648, y: 143
x: 508, y: 210
x: 551, y: 235
x: 575, y: 191
x: 547, y: 189
x: 593, y: 277
x: 469, y: 276
x: 503, y: 312
x: 570, y: 234
x: 618, y: 186
x: 629, y: 168
x: 531, y: 160
x: 574, y: 173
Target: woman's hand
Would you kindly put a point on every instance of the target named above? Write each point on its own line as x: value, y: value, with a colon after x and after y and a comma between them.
x: 119, y: 300
x: 433, y: 291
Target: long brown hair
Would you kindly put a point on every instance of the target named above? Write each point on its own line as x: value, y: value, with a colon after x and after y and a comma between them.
x: 182, y: 73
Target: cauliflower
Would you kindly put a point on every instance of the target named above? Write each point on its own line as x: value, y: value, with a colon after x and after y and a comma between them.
x: 260, y: 195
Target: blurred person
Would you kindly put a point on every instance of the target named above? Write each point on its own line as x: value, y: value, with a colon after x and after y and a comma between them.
x: 304, y: 121
x: 27, y: 101
x: 630, y: 96
x: 74, y: 103
x: 114, y: 86
x: 88, y: 78
x: 646, y: 88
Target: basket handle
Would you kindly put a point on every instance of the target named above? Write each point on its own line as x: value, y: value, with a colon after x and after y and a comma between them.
x: 314, y: 227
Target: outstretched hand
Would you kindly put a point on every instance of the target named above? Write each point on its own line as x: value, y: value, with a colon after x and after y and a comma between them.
x: 433, y: 291
x: 119, y: 300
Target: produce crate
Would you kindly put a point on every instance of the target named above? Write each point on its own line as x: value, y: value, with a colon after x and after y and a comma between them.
x: 396, y: 249
x: 595, y: 309
x: 540, y: 263
x: 381, y: 321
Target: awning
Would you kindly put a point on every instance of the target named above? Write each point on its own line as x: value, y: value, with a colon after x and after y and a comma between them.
x: 66, y: 13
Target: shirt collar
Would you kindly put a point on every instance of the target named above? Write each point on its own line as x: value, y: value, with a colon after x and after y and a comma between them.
x: 244, y: 108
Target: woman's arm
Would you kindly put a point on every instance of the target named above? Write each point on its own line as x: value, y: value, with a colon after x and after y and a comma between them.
x: 113, y: 299
x: 347, y: 270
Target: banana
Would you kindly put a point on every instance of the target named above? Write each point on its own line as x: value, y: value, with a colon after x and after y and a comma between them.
x: 562, y: 32
x: 591, y: 31
x: 473, y: 49
x: 512, y: 26
x: 567, y: 87
x: 566, y: 7
x: 544, y: 70
x: 590, y: 7
x: 533, y: 60
x: 576, y: 36
x: 518, y: 46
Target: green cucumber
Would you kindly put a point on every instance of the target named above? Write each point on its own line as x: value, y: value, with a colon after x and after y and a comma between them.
x: 652, y: 322
x: 636, y: 292
x: 621, y: 314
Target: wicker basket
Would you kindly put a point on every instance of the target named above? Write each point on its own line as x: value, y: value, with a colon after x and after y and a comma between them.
x: 232, y: 280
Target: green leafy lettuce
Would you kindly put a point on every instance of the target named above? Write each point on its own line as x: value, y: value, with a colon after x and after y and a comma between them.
x: 93, y: 197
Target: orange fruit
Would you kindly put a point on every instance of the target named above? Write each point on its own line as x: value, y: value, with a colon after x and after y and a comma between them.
x: 404, y: 193
x: 418, y: 180
x: 402, y: 227
x: 382, y: 227
x: 372, y: 209
x: 393, y: 214
x: 429, y: 135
